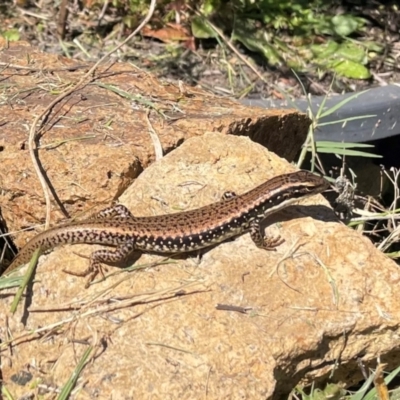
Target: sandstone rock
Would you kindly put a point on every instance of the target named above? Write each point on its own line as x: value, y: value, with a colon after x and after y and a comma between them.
x: 324, y: 299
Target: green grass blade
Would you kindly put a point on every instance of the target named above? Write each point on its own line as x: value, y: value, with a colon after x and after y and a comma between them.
x: 344, y: 145
x: 344, y: 149
x: 26, y: 280
x: 347, y: 152
x: 341, y: 104
x: 359, y: 395
x: 69, y: 386
x: 338, y: 121
x: 321, y: 107
x: 8, y: 282
x: 371, y: 395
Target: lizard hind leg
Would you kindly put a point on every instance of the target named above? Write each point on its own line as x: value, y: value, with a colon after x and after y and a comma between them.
x: 104, y: 256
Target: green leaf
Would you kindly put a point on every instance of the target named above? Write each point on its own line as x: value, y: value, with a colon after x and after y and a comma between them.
x: 12, y: 35
x: 344, y: 25
x: 130, y: 21
x: 373, y: 46
x: 210, y: 6
x: 325, y: 50
x: 247, y: 33
x: 351, y: 69
x: 351, y: 51
x: 201, y: 29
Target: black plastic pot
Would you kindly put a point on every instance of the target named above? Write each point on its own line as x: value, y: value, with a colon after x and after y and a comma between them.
x: 382, y: 102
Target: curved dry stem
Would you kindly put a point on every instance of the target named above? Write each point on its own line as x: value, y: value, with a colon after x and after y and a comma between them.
x: 87, y: 78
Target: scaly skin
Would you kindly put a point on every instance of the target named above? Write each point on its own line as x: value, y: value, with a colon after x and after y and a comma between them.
x: 184, y: 231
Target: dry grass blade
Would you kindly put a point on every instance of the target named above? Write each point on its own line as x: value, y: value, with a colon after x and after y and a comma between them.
x: 382, y: 221
x: 329, y: 277
x: 103, y: 306
x: 380, y: 385
x: 158, y: 150
x: 170, y: 347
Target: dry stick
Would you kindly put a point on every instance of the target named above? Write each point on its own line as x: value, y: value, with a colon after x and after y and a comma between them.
x: 62, y: 19
x: 157, y: 297
x: 79, y: 85
x: 30, y: 69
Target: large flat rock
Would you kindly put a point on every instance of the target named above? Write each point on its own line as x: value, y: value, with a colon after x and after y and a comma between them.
x: 323, y: 300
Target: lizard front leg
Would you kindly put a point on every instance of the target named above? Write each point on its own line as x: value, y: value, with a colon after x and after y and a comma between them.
x: 261, y: 240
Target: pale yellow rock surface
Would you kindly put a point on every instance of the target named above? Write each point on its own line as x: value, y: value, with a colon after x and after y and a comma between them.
x: 325, y: 298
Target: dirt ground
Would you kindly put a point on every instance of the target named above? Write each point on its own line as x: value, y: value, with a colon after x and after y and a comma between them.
x: 88, y: 33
